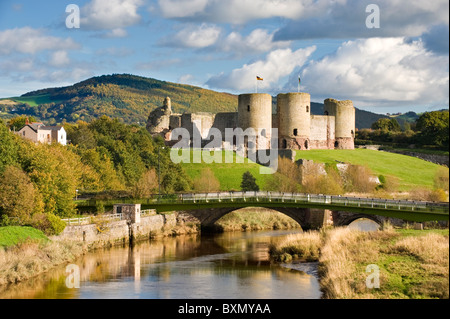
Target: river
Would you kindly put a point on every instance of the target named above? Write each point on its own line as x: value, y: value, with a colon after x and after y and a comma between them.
x: 232, y: 265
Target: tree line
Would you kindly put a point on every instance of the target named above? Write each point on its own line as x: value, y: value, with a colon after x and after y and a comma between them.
x: 430, y: 130
x: 106, y: 158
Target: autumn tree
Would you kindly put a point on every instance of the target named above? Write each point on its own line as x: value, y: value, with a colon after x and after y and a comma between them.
x: 17, y: 195
x: 207, y: 182
x: 146, y: 185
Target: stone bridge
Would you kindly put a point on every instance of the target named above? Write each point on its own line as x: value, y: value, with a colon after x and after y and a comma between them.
x: 307, y: 218
x: 311, y: 211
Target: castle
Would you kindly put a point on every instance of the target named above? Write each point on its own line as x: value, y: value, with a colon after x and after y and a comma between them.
x: 297, y: 128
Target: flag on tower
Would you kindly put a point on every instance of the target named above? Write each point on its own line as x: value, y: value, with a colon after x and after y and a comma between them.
x: 299, y: 80
x: 259, y: 78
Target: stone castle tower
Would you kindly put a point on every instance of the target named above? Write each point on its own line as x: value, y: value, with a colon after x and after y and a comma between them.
x: 297, y: 128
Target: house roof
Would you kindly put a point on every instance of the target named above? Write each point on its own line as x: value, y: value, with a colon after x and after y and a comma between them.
x: 51, y: 128
x: 40, y: 126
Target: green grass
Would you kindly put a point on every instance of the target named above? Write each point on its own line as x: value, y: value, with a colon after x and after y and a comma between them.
x: 228, y: 174
x: 34, y: 100
x: 411, y: 172
x: 13, y: 235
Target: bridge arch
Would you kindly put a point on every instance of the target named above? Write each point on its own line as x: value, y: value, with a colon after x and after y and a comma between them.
x: 305, y: 217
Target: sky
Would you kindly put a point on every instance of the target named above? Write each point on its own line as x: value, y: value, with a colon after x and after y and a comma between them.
x: 386, y: 56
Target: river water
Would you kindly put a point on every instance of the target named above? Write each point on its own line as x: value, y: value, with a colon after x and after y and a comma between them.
x: 232, y: 265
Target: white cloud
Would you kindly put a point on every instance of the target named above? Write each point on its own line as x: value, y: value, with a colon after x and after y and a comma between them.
x: 193, y: 36
x: 31, y: 41
x: 259, y: 40
x: 181, y: 8
x: 277, y: 64
x: 110, y: 15
x: 59, y: 58
x: 380, y: 71
x: 234, y: 11
x: 344, y: 19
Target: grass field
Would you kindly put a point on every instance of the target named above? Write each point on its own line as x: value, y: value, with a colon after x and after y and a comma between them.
x: 411, y: 172
x: 12, y: 235
x: 228, y: 174
x: 34, y: 100
x: 411, y: 264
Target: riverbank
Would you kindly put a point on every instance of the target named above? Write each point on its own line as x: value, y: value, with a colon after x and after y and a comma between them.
x: 411, y: 264
x: 26, y: 252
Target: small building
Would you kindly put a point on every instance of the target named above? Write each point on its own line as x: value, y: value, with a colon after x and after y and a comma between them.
x: 40, y: 133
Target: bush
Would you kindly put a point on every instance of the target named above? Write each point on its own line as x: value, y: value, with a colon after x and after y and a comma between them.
x: 49, y: 224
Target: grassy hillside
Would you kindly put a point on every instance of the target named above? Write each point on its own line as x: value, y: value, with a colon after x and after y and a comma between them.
x: 411, y: 172
x: 12, y: 235
x: 228, y: 174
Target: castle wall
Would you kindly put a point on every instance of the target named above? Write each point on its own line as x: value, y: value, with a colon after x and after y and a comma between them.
x: 225, y: 120
x: 322, y: 132
x: 297, y: 128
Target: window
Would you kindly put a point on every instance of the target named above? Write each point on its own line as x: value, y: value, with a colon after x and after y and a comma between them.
x: 263, y: 132
x: 23, y: 133
x: 295, y: 132
x: 326, y: 113
x: 306, y: 145
x: 284, y: 144
x: 307, y: 108
x: 248, y: 108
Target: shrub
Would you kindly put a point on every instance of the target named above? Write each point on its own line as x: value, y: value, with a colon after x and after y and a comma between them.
x: 49, y: 223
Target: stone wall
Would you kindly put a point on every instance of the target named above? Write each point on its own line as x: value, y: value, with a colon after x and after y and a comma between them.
x: 322, y: 132
x: 124, y: 231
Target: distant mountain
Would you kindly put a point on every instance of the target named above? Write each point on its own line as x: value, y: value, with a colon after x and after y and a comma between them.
x: 131, y: 98
x: 125, y: 96
x: 363, y: 119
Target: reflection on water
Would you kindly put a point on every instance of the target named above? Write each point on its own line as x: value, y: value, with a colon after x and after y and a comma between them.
x: 229, y: 265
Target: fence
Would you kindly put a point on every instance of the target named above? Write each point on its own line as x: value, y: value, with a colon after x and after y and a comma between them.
x: 401, y: 205
x: 107, y: 217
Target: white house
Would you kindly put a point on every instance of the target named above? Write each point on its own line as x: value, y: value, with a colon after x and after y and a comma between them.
x: 39, y: 133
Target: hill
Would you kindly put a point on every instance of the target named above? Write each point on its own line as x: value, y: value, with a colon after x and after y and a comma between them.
x: 130, y: 98
x: 363, y: 119
x: 124, y: 96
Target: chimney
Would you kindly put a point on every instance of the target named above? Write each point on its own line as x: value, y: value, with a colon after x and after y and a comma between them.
x: 26, y: 121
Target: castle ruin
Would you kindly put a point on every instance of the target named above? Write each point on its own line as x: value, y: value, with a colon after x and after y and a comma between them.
x: 297, y: 128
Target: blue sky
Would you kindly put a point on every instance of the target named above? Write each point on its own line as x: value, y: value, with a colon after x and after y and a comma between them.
x: 224, y: 44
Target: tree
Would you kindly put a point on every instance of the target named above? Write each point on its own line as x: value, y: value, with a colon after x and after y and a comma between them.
x: 16, y: 123
x: 147, y: 185
x: 248, y: 183
x: 17, y: 195
x: 433, y: 127
x: 9, y: 147
x: 386, y: 124
x: 207, y: 182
